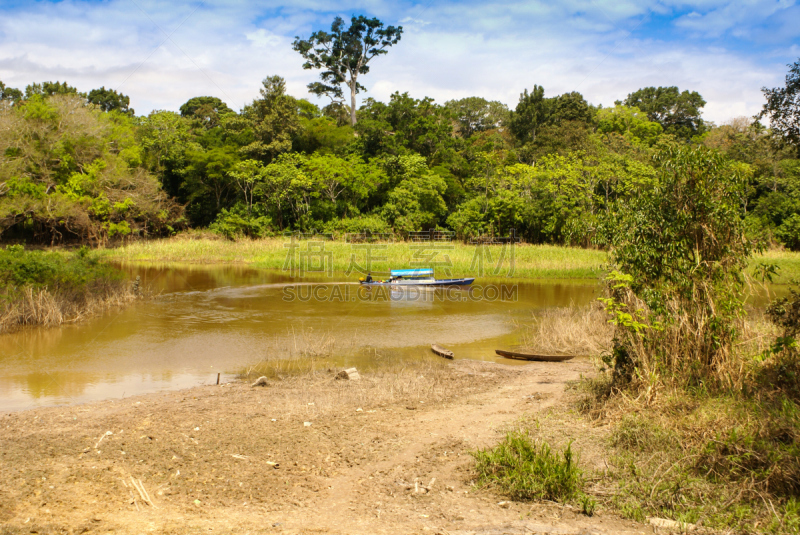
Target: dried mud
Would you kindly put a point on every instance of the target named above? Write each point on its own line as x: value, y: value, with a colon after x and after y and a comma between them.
x: 310, y: 454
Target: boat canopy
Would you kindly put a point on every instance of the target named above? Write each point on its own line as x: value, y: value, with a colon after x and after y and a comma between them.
x: 412, y: 273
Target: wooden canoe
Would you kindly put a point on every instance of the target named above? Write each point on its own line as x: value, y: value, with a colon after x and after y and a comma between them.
x: 442, y: 352
x: 533, y: 356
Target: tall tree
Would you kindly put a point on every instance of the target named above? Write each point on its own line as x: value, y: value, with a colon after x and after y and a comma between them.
x: 406, y: 123
x: 570, y: 107
x: 628, y: 121
x: 344, y: 55
x: 783, y: 106
x: 274, y: 120
x: 534, y: 113
x: 110, y: 100
x: 677, y: 112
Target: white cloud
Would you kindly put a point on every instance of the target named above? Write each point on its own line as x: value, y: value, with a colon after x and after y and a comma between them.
x: 264, y: 39
x: 448, y: 50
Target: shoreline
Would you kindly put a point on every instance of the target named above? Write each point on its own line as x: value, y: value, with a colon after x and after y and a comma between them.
x: 300, y: 454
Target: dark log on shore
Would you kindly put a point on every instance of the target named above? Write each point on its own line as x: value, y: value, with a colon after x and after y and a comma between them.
x: 533, y: 356
x: 442, y: 352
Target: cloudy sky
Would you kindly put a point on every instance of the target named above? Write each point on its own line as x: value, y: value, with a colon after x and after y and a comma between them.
x: 162, y: 53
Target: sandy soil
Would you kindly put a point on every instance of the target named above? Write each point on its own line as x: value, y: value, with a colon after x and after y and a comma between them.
x: 310, y: 454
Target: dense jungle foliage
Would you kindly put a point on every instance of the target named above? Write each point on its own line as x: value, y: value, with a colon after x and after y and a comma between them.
x: 81, y: 167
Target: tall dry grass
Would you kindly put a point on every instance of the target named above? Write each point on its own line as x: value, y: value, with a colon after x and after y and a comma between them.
x: 570, y: 330
x: 690, y: 346
x: 714, y: 449
x: 40, y: 307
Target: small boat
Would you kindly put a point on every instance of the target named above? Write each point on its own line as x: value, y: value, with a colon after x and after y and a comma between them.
x: 442, y: 352
x: 416, y: 277
x: 533, y: 356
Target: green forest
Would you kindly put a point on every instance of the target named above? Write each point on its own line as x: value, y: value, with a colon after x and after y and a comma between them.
x: 82, y: 167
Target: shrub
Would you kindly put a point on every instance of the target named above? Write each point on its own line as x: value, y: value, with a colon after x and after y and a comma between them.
x: 238, y: 223
x: 56, y: 271
x: 680, y: 250
x: 781, y: 367
x: 789, y: 232
x: 525, y: 469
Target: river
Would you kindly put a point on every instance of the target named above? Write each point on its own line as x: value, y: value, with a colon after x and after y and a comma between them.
x: 205, y: 320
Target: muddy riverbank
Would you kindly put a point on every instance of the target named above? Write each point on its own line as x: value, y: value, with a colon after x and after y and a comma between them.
x: 386, y: 454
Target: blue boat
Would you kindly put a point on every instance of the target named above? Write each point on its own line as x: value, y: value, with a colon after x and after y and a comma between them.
x: 415, y: 277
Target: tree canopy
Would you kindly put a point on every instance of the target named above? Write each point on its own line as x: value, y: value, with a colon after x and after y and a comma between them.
x: 678, y: 112
x: 554, y: 168
x: 9, y: 93
x: 476, y: 114
x: 73, y: 170
x: 51, y: 88
x: 111, y: 100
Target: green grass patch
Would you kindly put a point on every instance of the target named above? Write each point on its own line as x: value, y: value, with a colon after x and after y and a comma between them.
x: 525, y: 469
x: 788, y: 264
x: 529, y: 261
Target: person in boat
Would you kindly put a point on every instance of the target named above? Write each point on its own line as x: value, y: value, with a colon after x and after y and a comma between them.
x: 369, y: 277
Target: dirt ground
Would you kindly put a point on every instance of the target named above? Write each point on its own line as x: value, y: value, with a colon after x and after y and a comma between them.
x: 309, y: 454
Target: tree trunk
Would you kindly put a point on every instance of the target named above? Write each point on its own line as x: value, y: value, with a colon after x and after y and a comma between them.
x: 353, y: 101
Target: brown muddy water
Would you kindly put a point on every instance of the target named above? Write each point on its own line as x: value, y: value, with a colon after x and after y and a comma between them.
x: 206, y: 320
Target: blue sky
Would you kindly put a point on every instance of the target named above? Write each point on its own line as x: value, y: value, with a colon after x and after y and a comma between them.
x: 163, y: 53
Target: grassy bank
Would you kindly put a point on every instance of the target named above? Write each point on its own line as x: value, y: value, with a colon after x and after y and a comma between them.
x: 720, y: 461
x: 530, y: 261
x: 726, y: 459
x: 787, y: 262
x: 51, y: 288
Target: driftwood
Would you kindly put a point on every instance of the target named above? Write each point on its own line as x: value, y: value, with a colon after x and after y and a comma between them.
x: 442, y: 352
x: 533, y: 356
x: 143, y: 494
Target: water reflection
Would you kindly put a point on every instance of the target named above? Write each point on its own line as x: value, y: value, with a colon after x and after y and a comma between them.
x: 210, y: 319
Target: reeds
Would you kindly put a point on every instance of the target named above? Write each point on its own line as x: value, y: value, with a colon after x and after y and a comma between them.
x: 40, y: 307
x: 570, y: 330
